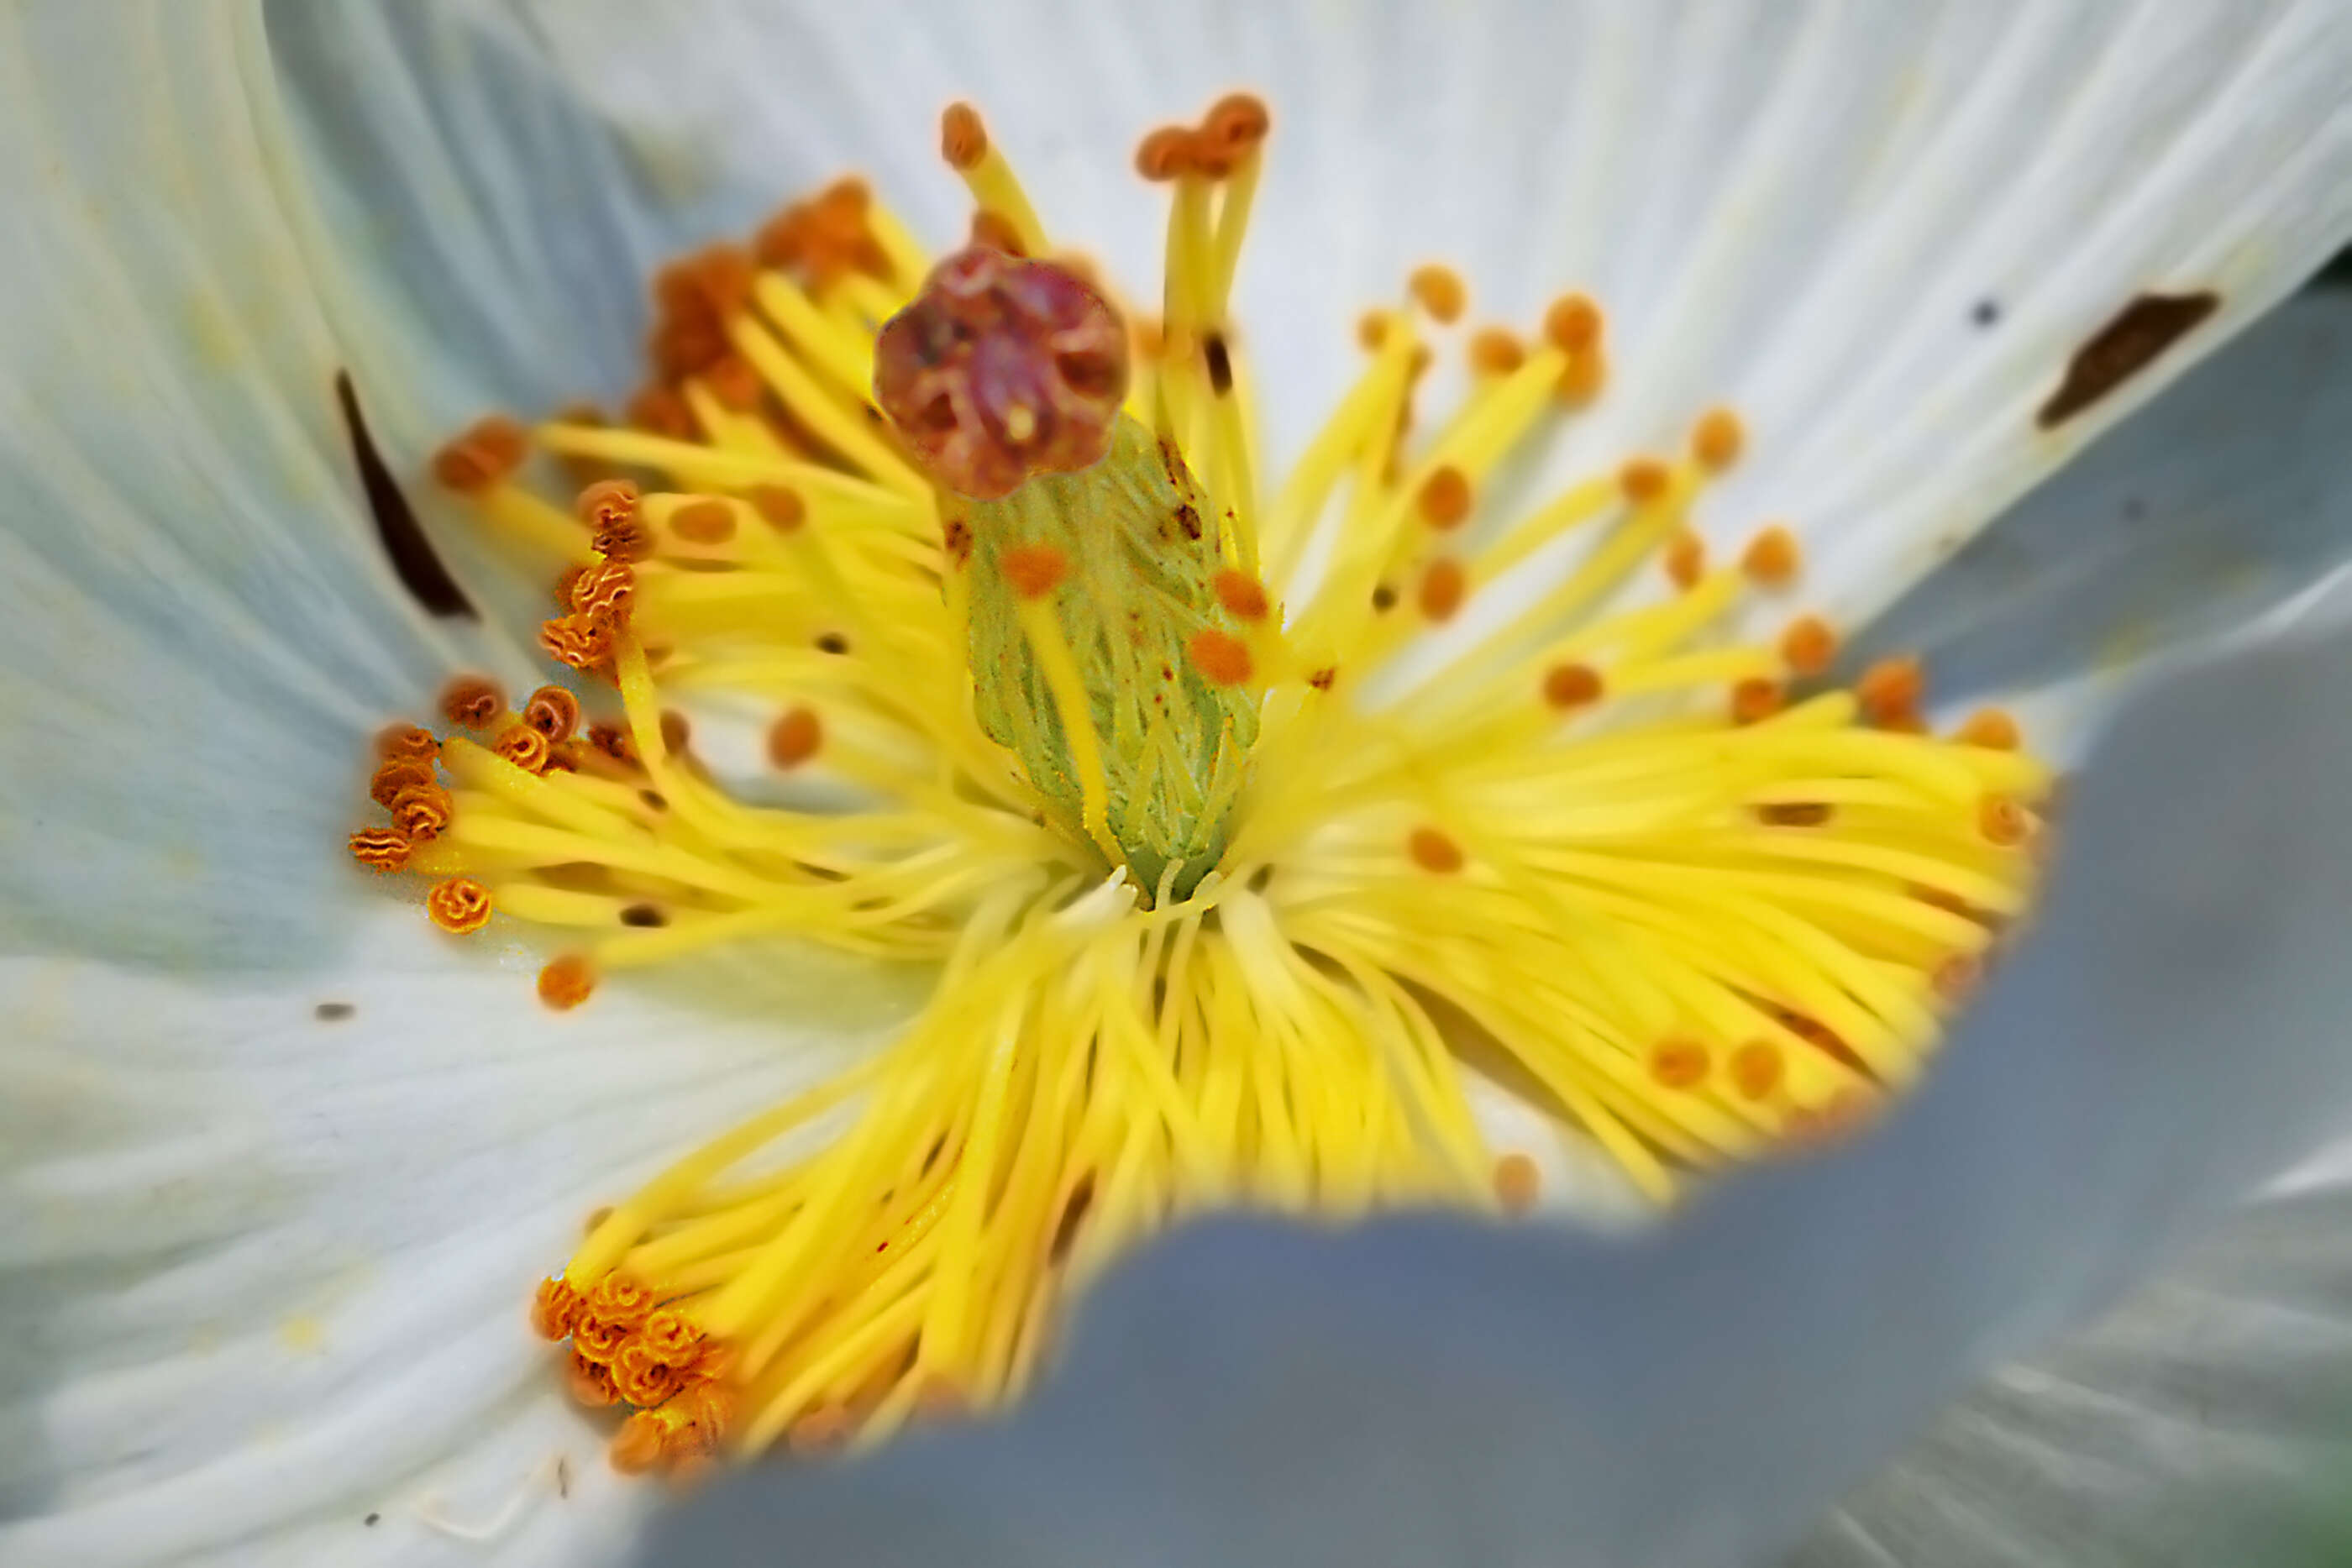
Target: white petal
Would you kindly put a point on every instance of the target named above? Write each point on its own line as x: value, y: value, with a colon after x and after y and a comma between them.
x: 2207, y: 1420
x: 1424, y: 1391
x: 2215, y: 513
x: 1797, y: 210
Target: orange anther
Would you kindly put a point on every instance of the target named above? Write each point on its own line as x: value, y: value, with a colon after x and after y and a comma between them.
x: 1808, y: 645
x: 554, y: 1309
x: 381, y: 849
x: 1757, y: 1070
x: 487, y: 453
x: 1519, y: 1182
x: 554, y: 712
x: 583, y: 642
x: 1166, y: 154
x: 1440, y: 291
x: 821, y: 1430
x: 734, y: 382
x: 472, y: 701
x: 1991, y: 729
x: 1497, y: 351
x: 1571, y: 686
x: 1587, y: 374
x: 1956, y: 976
x: 1755, y: 699
x: 796, y: 737
x: 526, y: 748
x: 1679, y: 1063
x: 642, y: 1377
x: 963, y: 139
x: 1222, y: 660
x: 1432, y: 851
x: 421, y: 812
x: 1373, y: 330
x: 1685, y: 559
x: 2004, y: 821
x: 639, y: 1445
x: 1237, y: 122
x: 1241, y: 595
x: 781, y: 510
x: 1035, y: 570
x: 391, y: 778
x: 704, y: 522
x: 1443, y: 588
x: 1645, y: 480
x: 1445, y: 498
x: 591, y: 1381
x: 661, y: 411
x: 1717, y: 439
x: 1891, y: 688
x: 622, y: 1299
x: 605, y: 503
x: 1572, y: 324
x: 408, y: 741
x: 1772, y: 559
x: 460, y: 905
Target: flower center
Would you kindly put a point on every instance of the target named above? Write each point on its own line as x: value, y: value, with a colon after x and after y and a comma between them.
x: 1272, y: 844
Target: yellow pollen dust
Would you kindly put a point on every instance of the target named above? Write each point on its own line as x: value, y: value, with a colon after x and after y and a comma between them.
x: 1703, y: 906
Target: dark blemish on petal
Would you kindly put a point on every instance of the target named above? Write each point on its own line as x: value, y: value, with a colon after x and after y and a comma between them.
x: 413, y: 560
x: 332, y: 1012
x: 1189, y: 521
x: 2134, y: 510
x: 1261, y: 879
x: 1383, y: 599
x: 371, y: 1519
x: 833, y: 642
x: 1986, y: 313
x: 1220, y: 364
x: 563, y: 1475
x: 2126, y: 346
x: 643, y: 916
x: 1321, y: 679
x: 654, y: 800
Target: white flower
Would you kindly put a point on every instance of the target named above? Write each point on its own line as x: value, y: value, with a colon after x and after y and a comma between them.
x: 277, y: 1155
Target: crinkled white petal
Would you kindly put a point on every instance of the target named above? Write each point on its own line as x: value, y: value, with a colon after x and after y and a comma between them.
x: 1422, y: 1391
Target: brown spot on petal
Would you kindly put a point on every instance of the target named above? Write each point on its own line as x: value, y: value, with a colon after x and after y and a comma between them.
x: 413, y: 560
x: 2132, y: 340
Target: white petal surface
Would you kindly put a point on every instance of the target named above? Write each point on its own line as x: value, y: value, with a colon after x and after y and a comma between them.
x: 1880, y: 236
x: 1420, y: 1392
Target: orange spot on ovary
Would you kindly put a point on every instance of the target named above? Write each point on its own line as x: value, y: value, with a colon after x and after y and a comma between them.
x: 1035, y: 570
x: 796, y: 737
x: 459, y: 905
x: 1497, y: 351
x: 1443, y: 588
x: 2004, y: 821
x: 472, y: 701
x: 1433, y: 852
x: 1221, y: 658
x: 779, y: 506
x: 1772, y: 558
x: 1241, y: 595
